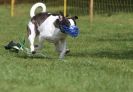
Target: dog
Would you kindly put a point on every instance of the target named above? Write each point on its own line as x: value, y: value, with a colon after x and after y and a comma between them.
x: 50, y: 27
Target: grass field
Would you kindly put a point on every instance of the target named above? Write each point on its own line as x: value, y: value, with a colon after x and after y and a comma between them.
x: 101, y: 58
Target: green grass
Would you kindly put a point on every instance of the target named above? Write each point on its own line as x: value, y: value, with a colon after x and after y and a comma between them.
x: 101, y: 58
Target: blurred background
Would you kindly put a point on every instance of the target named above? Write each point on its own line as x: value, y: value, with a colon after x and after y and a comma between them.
x: 82, y: 6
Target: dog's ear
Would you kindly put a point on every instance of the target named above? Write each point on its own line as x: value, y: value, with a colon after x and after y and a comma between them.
x: 75, y: 17
x: 61, y: 13
x: 61, y: 16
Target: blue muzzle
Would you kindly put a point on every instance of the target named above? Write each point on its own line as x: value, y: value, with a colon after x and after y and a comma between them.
x: 72, y: 30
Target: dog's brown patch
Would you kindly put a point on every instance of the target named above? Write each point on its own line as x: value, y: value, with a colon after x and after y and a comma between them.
x: 36, y: 27
x: 28, y: 31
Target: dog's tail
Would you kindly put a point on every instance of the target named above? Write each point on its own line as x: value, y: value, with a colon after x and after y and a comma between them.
x: 35, y: 6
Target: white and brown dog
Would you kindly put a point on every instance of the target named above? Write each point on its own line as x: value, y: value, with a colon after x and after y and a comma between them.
x: 47, y: 26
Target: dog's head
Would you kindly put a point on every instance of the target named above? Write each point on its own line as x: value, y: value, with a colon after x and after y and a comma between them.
x: 67, y: 25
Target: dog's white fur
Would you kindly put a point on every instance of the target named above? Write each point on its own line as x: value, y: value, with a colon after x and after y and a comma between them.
x: 49, y: 32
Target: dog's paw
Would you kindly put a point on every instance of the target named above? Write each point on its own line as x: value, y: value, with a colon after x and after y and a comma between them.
x: 33, y: 52
x: 67, y: 51
x: 36, y: 46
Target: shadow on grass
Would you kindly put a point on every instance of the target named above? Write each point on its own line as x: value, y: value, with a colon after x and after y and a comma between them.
x: 123, y: 54
x: 105, y: 54
x: 32, y: 57
x: 115, y: 39
x: 24, y: 55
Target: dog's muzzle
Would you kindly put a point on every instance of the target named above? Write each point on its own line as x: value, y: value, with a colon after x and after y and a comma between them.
x: 72, y: 30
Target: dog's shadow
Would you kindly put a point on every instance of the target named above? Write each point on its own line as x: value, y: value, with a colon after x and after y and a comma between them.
x: 105, y: 54
x: 97, y: 54
x: 33, y: 56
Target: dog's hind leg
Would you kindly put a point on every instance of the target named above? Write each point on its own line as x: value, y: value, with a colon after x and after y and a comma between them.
x: 31, y: 37
x: 31, y: 40
x: 41, y: 42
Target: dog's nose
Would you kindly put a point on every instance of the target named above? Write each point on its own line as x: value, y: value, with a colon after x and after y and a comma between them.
x: 33, y: 52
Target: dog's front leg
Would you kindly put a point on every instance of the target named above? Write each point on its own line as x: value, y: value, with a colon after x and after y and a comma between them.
x: 57, y: 47
x: 63, y: 48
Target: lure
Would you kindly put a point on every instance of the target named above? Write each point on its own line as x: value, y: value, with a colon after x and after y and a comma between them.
x: 72, y: 30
